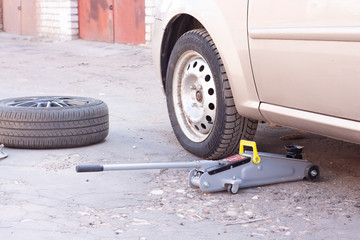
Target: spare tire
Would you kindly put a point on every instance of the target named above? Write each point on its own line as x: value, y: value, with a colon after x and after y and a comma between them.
x: 52, y: 122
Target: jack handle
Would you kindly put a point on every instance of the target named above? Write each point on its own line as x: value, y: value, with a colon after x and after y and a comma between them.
x: 256, y: 158
x: 89, y: 168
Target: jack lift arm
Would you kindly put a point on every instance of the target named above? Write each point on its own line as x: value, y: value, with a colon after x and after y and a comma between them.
x: 246, y: 169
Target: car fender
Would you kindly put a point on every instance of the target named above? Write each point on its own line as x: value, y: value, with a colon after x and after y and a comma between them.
x: 231, y: 40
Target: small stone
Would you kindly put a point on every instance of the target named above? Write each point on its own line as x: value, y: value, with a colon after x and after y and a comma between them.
x: 180, y: 191
x: 134, y: 147
x: 283, y: 228
x: 180, y: 215
x: 139, y: 222
x: 248, y: 213
x: 83, y: 213
x: 255, y: 198
x: 231, y: 213
x: 297, y: 194
x: 206, y: 212
x: 26, y: 220
x: 157, y: 192
x: 189, y: 196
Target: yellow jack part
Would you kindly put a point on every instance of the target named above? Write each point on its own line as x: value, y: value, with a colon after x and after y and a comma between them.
x: 256, y: 159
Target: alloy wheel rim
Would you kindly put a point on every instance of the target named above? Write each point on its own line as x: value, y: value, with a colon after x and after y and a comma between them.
x: 47, y: 102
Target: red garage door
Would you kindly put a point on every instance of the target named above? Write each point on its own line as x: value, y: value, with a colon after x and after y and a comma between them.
x: 112, y: 20
x: 130, y: 21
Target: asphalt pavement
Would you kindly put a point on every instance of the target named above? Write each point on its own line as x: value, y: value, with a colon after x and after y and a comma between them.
x: 42, y: 196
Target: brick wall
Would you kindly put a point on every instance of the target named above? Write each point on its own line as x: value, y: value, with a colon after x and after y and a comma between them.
x: 1, y: 17
x: 149, y: 19
x: 58, y: 19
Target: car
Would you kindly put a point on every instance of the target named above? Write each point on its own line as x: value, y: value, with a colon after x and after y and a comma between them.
x: 225, y: 66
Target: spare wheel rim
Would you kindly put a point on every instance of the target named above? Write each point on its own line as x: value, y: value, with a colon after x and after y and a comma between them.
x: 47, y: 102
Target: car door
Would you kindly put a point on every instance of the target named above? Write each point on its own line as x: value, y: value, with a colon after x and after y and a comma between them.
x: 305, y: 54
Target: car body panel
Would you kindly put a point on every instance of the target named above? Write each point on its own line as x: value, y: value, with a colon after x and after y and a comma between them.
x: 305, y: 54
x: 294, y: 63
x: 303, y: 13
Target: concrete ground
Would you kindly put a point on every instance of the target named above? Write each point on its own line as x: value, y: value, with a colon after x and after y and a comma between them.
x: 42, y: 197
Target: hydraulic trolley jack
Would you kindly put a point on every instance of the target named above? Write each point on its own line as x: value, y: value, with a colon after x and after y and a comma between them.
x: 246, y: 169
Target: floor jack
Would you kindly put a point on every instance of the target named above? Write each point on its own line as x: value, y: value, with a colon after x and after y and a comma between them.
x: 246, y: 169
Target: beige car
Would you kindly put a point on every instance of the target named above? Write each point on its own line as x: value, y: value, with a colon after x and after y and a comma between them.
x: 225, y: 65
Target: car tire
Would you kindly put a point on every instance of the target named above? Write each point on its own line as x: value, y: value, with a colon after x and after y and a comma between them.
x: 199, y: 99
x: 52, y: 122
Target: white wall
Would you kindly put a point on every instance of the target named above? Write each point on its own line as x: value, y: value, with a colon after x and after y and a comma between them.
x: 58, y: 19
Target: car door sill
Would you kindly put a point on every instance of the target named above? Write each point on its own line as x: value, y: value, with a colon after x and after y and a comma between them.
x: 344, y: 129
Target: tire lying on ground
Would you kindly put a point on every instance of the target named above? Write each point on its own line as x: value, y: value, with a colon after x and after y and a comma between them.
x: 52, y: 122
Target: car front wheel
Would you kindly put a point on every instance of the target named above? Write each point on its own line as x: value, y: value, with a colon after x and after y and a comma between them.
x: 199, y: 99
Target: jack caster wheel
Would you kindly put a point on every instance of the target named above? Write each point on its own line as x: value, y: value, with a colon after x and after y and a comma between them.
x: 312, y: 173
x: 231, y: 189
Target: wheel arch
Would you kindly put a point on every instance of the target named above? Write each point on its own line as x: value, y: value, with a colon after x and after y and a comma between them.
x: 177, y: 26
x: 230, y: 38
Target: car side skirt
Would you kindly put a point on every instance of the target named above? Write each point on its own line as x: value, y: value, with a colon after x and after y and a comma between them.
x: 333, y: 127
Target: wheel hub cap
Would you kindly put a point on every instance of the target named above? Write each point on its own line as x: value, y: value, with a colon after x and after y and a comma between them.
x: 199, y: 96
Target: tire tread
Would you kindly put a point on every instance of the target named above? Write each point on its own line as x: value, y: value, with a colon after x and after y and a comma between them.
x: 225, y: 140
x: 241, y: 128
x: 53, y: 127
